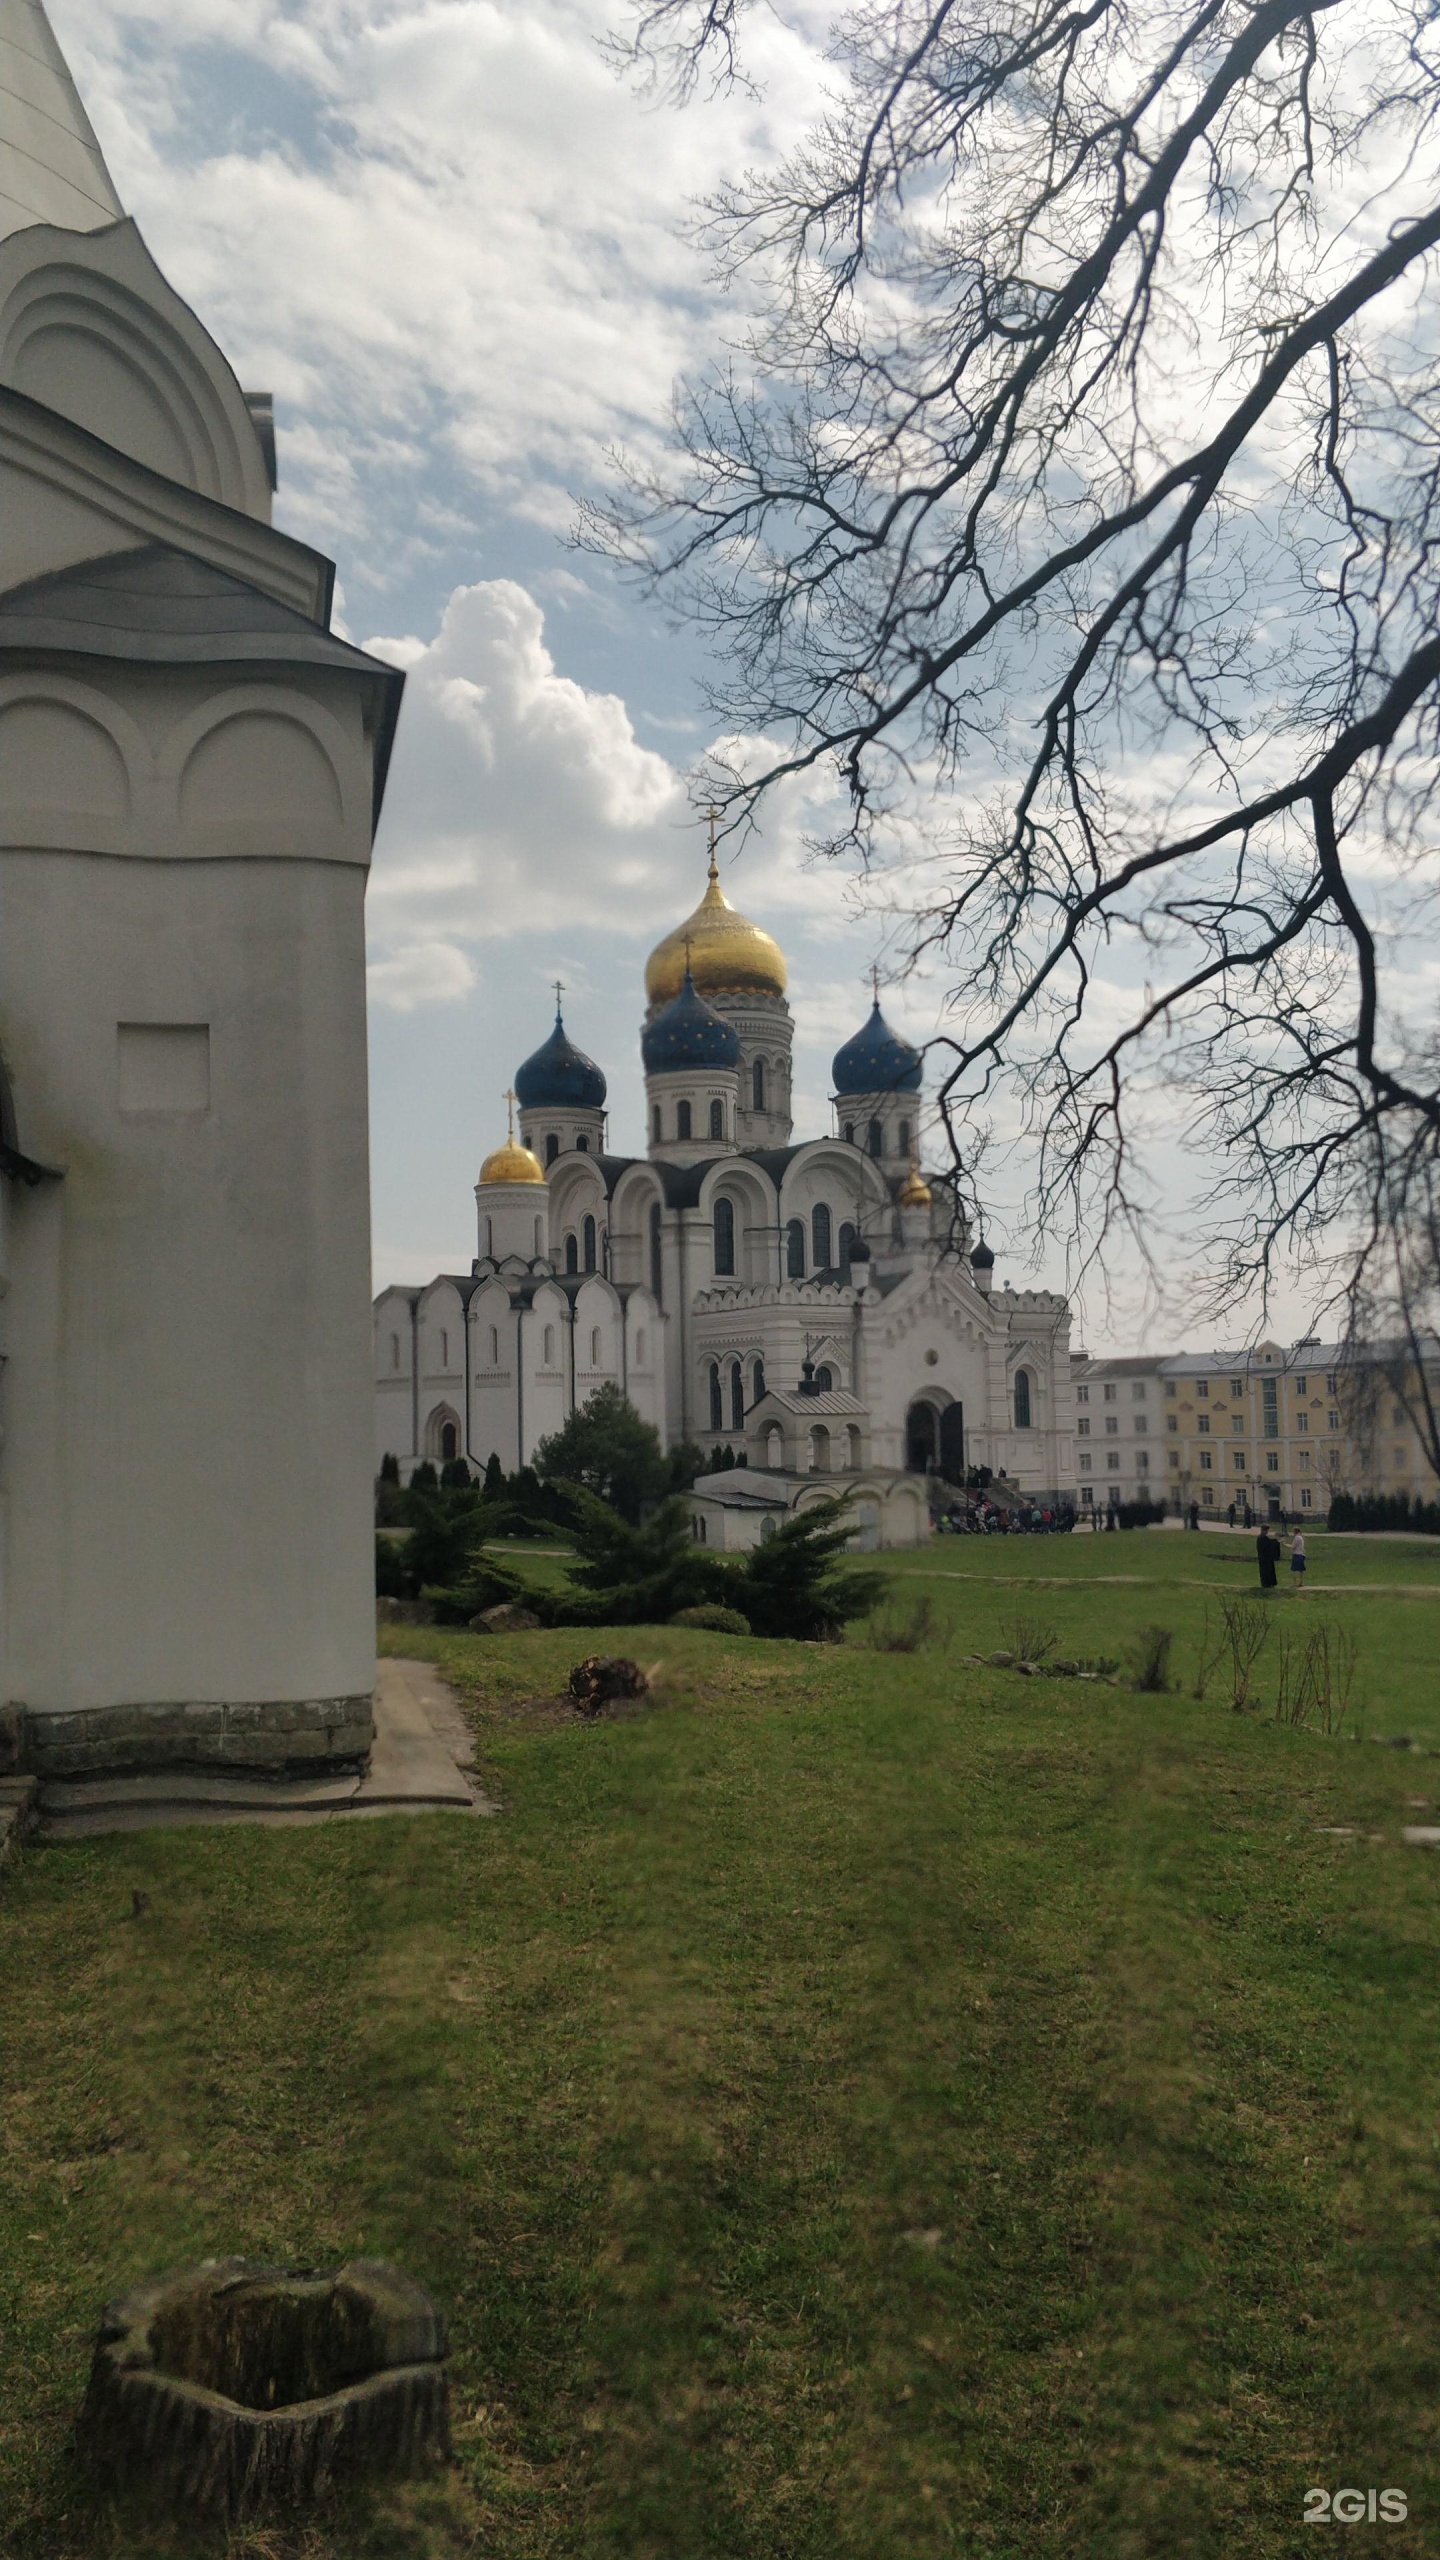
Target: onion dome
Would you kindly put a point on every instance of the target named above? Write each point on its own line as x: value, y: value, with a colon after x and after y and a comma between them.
x: 727, y: 954
x: 877, y: 1061
x: 982, y: 1259
x: 559, y: 1077
x: 859, y: 1250
x: 915, y: 1190
x: 689, y: 1033
x: 512, y: 1162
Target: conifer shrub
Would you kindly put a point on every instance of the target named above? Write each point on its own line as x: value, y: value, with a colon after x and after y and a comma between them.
x: 793, y: 1584
x: 714, y: 1618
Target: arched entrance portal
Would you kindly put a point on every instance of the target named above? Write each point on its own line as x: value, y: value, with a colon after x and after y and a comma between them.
x: 922, y: 1440
x: 952, y: 1444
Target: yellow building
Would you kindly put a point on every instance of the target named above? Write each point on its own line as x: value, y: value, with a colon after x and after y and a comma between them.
x: 1279, y: 1430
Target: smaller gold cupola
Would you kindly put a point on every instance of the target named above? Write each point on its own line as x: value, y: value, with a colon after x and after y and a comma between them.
x: 512, y: 1162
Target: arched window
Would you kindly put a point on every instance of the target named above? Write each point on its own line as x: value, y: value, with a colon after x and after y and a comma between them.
x: 549, y: 1346
x: 795, y: 1250
x: 820, y: 1450
x: 820, y: 1236
x: 572, y: 1253
x: 902, y: 1138
x: 552, y: 1146
x: 774, y: 1446
x: 595, y: 1346
x: 444, y: 1350
x: 877, y: 1139
x: 538, y: 1235
x: 655, y: 1126
x: 588, y: 1232
x: 1022, y: 1399
x: 657, y: 1257
x: 449, y: 1442
x: 737, y: 1397
x: 757, y: 1084
x: 849, y: 1133
x: 494, y: 1346
x: 489, y: 1235
x: 825, y: 1379
x: 757, y: 1382
x: 682, y: 1121
x: 847, y: 1244
x: 640, y: 1347
x: 717, y: 1119
x: 717, y: 1410
x: 582, y: 1145
x: 394, y: 1350
x: 724, y: 1234
x: 854, y: 1438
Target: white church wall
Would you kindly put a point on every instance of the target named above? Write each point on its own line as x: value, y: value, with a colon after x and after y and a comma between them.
x: 235, y: 1566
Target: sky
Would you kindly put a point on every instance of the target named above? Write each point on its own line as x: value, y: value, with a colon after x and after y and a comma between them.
x: 453, y: 244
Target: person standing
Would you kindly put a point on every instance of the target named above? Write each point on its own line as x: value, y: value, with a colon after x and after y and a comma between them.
x: 1297, y: 1562
x: 1267, y: 1556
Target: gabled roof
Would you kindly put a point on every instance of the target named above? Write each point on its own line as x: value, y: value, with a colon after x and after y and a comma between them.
x: 832, y: 1401
x: 169, y: 608
x: 51, y: 167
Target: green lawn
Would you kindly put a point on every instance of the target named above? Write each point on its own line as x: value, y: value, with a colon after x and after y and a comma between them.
x: 862, y: 2107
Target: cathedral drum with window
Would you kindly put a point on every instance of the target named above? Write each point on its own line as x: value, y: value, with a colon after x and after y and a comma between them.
x: 812, y: 1310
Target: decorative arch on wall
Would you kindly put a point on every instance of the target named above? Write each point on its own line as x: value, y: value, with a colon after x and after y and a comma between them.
x: 724, y: 1235
x: 588, y: 1242
x: 1022, y: 1400
x: 98, y: 335
x: 821, y: 1231
x: 795, y: 1249
x: 717, y: 1409
x: 443, y: 1440
x: 737, y: 1396
x: 78, y: 771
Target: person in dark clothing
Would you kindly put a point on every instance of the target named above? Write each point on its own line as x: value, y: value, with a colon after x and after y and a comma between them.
x: 1194, y: 1515
x: 1267, y: 1554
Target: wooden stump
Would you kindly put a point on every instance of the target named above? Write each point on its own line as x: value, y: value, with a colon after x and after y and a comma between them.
x: 233, y: 2386
x: 601, y: 1677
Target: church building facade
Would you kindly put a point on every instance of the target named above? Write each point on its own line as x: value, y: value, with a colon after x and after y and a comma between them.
x: 191, y: 765
x: 814, y: 1307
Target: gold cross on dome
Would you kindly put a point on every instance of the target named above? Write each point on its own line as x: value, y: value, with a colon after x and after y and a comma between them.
x: 713, y: 816
x: 508, y: 1098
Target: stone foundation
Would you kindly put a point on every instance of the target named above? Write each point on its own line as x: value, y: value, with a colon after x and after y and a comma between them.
x: 287, y: 1737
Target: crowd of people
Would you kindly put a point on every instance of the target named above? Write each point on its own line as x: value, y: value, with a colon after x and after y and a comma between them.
x: 982, y: 1518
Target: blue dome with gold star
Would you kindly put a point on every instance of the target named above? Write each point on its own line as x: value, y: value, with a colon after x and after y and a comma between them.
x: 877, y: 1060
x: 559, y: 1077
x: 688, y: 1033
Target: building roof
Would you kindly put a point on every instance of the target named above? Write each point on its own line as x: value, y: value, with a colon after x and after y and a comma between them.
x: 726, y: 952
x: 688, y: 1033
x: 877, y: 1060
x: 559, y: 1077
x: 743, y: 1489
x: 169, y: 608
x: 830, y: 1403
x: 51, y: 166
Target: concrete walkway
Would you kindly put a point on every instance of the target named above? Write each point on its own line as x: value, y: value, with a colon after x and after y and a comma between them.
x: 422, y: 1762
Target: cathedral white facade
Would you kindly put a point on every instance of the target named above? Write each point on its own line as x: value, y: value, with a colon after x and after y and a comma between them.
x: 812, y: 1306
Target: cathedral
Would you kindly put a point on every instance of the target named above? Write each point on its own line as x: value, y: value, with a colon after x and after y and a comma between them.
x: 813, y: 1307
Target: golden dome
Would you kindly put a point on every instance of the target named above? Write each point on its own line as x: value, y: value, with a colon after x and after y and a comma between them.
x: 512, y: 1162
x: 728, y: 954
x: 915, y: 1190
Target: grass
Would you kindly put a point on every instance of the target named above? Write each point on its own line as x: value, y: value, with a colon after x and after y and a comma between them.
x: 865, y: 2105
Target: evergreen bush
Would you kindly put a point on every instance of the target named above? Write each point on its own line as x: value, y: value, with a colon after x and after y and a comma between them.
x: 626, y: 1574
x: 794, y: 1585
x: 714, y: 1617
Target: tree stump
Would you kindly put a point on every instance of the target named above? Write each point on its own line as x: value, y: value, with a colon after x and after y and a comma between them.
x: 601, y: 1677
x: 232, y: 2386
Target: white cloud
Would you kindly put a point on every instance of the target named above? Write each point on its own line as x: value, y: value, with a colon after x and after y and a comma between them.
x: 522, y: 802
x: 421, y: 973
x: 427, y: 226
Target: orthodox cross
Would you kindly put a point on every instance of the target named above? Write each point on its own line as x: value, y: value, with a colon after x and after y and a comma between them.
x: 559, y: 991
x: 713, y: 815
x: 508, y: 1098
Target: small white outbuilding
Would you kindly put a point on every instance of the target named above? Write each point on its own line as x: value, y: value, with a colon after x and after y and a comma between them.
x: 191, y: 766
